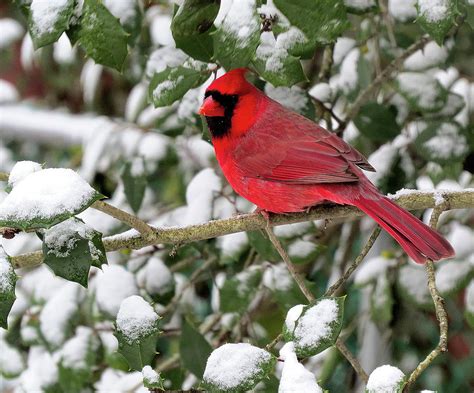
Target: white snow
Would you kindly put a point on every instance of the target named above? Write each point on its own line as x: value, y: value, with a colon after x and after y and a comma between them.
x: 295, y: 377
x: 63, y: 52
x: 45, y: 14
x: 136, y: 101
x: 277, y: 277
x: 420, y: 87
x: 270, y: 53
x: 158, y: 277
x: 315, y: 324
x: 288, y: 39
x: 429, y: 56
x: 402, y: 10
x: 321, y: 91
x: 231, y: 364
x: 461, y: 238
x: 200, y: 194
x: 166, y: 86
x: 194, y: 152
x: 65, y: 235
x: 136, y: 318
x: 292, y: 315
x: 115, y: 381
x: 113, y: 285
x: 384, y: 379
x: 301, y: 248
x: 371, y: 269
x: 292, y: 230
x: 233, y: 244
x: 11, y: 32
x: 447, y: 142
x: 11, y: 361
x: 164, y: 57
x: 90, y: 79
x: 450, y: 273
x: 342, y: 47
x: 348, y: 77
x: 433, y: 10
x: 469, y: 297
x: 40, y: 284
x: 46, y: 194
x: 6, y: 273
x: 8, y: 92
x: 58, y: 312
x: 160, y: 30
x: 125, y: 10
x: 41, y: 371
x: 240, y: 21
x: 414, y: 281
x: 447, y: 77
x: 153, y: 147
x: 382, y: 160
x: 293, y: 97
x: 150, y: 376
x: 28, y: 54
x: 74, y: 352
x: 360, y: 5
x: 22, y: 169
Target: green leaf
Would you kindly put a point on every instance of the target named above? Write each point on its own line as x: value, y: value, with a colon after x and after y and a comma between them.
x: 275, y: 65
x: 134, y: 181
x: 45, y: 198
x: 437, y: 20
x: 48, y: 20
x: 192, y: 27
x: 381, y: 301
x: 101, y: 35
x: 377, y: 122
x: 173, y: 83
x: 442, y: 142
x: 194, y: 349
x: 422, y: 91
x: 138, y: 353
x: 238, y: 292
x: 131, y: 20
x: 263, y: 246
x: 237, y: 38
x: 247, y: 364
x: 71, y: 247
x: 8, y: 280
x: 322, y: 21
x: 317, y: 327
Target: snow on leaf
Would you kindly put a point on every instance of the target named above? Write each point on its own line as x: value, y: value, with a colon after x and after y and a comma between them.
x: 413, y: 285
x: 11, y: 32
x: 437, y: 17
x: 402, y: 10
x: 453, y: 275
x: 360, y: 6
x: 45, y: 198
x: 7, y: 288
x: 469, y: 301
x: 238, y: 291
x: 371, y: 269
x: 318, y: 326
x: 295, y: 377
x: 11, y: 361
x: 151, y: 378
x: 236, y: 367
x: 303, y: 251
x: 386, y: 379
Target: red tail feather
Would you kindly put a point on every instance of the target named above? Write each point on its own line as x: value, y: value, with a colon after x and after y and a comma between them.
x: 418, y: 240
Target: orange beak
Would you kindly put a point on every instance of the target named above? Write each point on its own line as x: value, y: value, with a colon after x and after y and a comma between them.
x: 211, y: 108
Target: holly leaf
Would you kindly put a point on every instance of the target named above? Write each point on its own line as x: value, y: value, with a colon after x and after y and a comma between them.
x: 192, y: 28
x: 194, y: 349
x: 263, y: 246
x: 173, y: 83
x: 437, y: 20
x: 47, y: 20
x: 71, y: 247
x: 101, y: 35
x: 238, y: 292
x: 377, y: 122
x: 134, y: 182
x: 8, y: 280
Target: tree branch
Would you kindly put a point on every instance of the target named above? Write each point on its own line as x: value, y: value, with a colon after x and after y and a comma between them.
x: 440, y: 310
x: 414, y: 200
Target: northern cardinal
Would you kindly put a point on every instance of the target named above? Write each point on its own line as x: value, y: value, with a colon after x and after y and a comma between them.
x: 283, y: 162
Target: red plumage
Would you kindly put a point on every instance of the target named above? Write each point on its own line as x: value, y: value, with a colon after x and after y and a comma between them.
x: 283, y: 162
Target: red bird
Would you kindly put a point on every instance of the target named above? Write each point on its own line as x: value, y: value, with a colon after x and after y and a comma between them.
x: 283, y: 162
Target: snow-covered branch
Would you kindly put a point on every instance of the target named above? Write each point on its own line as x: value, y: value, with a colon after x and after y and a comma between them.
x: 409, y: 199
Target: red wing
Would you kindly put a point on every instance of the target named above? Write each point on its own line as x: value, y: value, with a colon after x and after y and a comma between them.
x: 285, y: 147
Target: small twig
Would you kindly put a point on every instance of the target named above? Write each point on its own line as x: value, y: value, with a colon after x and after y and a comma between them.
x: 274, y: 342
x: 352, y: 360
x: 368, y: 245
x: 4, y: 176
x: 440, y: 310
x: 326, y: 64
x: 340, y: 122
x: 127, y: 218
x: 296, y: 276
x: 310, y: 297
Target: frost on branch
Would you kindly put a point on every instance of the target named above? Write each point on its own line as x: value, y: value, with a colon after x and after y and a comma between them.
x: 386, y: 379
x: 315, y: 327
x: 137, y: 331
x: 45, y: 198
x: 236, y: 368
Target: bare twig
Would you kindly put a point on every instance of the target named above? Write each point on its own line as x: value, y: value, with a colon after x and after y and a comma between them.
x: 415, y: 200
x: 310, y: 297
x: 440, y: 310
x: 334, y: 288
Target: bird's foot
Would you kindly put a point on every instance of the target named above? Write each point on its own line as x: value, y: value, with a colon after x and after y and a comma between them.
x: 265, y: 214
